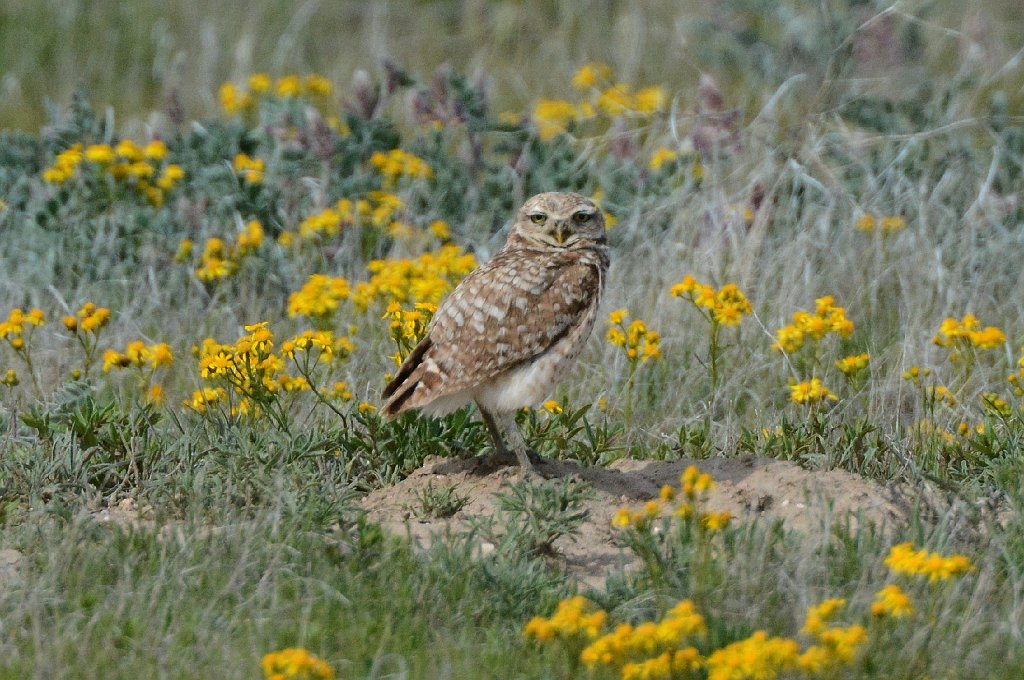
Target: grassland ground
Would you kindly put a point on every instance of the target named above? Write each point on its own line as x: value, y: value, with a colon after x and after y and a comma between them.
x: 793, y: 447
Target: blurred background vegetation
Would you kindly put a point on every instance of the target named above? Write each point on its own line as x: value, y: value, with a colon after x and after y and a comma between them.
x: 141, y: 56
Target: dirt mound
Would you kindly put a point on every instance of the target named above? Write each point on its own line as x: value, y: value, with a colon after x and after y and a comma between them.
x: 747, y: 487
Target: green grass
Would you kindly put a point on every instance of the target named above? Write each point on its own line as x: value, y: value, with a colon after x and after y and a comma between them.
x: 250, y: 540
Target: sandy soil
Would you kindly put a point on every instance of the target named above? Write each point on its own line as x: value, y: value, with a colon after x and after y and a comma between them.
x: 749, y: 488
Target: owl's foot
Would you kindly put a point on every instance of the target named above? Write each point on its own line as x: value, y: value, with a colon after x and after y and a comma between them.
x: 504, y: 458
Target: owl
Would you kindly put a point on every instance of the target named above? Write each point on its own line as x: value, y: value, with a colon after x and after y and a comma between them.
x: 513, y: 328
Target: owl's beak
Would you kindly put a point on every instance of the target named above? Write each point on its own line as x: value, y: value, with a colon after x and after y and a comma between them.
x: 561, y: 231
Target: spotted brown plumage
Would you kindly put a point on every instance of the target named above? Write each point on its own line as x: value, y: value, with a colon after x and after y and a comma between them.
x: 512, y: 328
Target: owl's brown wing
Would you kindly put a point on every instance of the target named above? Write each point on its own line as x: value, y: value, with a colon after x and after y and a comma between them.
x: 502, y: 315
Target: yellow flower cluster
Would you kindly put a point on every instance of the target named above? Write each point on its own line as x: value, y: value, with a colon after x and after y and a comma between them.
x: 141, y: 167
x: 939, y: 394
x: 760, y: 656
x: 64, y: 165
x: 620, y: 100
x: 646, y: 650
x: 724, y: 307
x: 826, y: 319
x: 995, y: 406
x: 961, y: 337
x: 408, y: 326
x: 216, y: 262
x: 810, y: 392
x: 205, y: 398
x: 396, y: 164
x: 553, y: 116
x: 576, y: 618
x: 248, y: 168
x: 255, y: 373
x: 324, y: 342
x: 329, y: 221
x: 661, y: 157
x: 139, y: 355
x: 888, y: 225
x: 552, y: 407
x: 1016, y: 380
x: 13, y: 328
x: 820, y: 615
x: 591, y: 75
x: 234, y: 99
x: 891, y: 601
x: 90, y: 319
x: 694, y: 486
x: 380, y: 209
x: 10, y: 378
x: 297, y: 663
x: 638, y: 342
x: 835, y: 647
x: 757, y: 656
x: 219, y: 260
x: 319, y: 297
x: 664, y: 649
x: 250, y: 239
x: 853, y: 365
x: 427, y: 278
x: 915, y: 373
x: 903, y: 559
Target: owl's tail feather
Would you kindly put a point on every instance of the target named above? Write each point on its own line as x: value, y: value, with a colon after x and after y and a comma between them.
x: 401, y: 388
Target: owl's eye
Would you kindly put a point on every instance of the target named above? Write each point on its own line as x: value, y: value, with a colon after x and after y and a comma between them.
x: 538, y: 218
x: 582, y: 217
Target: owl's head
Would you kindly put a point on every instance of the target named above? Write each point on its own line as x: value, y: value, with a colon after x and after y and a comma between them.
x: 559, y: 220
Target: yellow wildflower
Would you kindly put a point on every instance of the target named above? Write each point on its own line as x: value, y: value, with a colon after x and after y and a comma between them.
x: 248, y: 168
x: 155, y: 150
x: 891, y: 601
x: 716, y: 521
x: 319, y: 297
x: 396, y: 164
x: 695, y: 483
x: 903, y: 559
x: 650, y: 100
x: 757, y: 656
x: 615, y: 100
x: 639, y: 343
x: 660, y: 157
x: 552, y: 407
x: 552, y: 117
x: 156, y: 396
x: 590, y: 75
x: 295, y: 663
x: 101, y: 154
x: 852, y: 365
x: 820, y: 615
x: 810, y: 392
x: 288, y: 86
x: 724, y: 307
x: 259, y: 83
x: 233, y: 100
x: 317, y: 85
x: 250, y: 239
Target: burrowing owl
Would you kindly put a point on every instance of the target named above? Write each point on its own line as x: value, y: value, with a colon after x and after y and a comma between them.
x: 510, y: 331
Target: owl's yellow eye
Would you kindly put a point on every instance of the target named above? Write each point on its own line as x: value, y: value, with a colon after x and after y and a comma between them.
x: 582, y: 217
x: 538, y: 218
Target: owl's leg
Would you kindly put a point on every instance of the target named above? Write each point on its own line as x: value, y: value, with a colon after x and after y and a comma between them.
x: 501, y: 453
x: 507, y: 425
x: 524, y: 454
